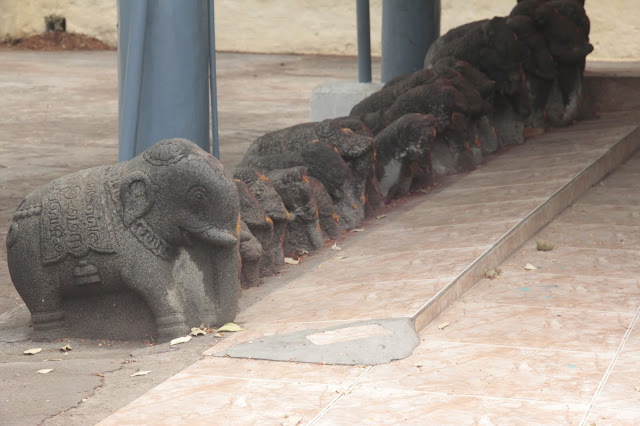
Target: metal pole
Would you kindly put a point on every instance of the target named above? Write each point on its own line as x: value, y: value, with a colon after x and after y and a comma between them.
x: 133, y: 18
x: 164, y: 68
x: 364, y: 41
x: 213, y: 89
x: 408, y: 29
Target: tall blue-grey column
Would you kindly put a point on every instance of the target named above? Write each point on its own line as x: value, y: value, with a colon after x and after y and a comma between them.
x: 408, y: 29
x: 163, y: 73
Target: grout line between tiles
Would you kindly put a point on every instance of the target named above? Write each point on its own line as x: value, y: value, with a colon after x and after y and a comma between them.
x: 607, y: 373
x: 337, y: 398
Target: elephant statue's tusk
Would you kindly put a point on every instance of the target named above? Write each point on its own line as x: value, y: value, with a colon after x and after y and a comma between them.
x: 218, y: 237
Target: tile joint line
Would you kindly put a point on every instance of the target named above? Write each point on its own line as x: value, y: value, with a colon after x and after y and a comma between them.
x: 337, y: 398
x: 607, y: 373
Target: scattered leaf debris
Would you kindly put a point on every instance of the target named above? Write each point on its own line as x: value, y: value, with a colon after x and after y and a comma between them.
x: 66, y: 348
x: 335, y: 247
x: 544, y: 246
x: 492, y: 273
x: 179, y: 340
x: 140, y: 373
x: 443, y: 325
x: 197, y: 331
x: 230, y: 326
x: 44, y: 371
x: 382, y: 216
x: 358, y: 230
x: 32, y: 351
x: 529, y: 267
x: 291, y: 421
x: 291, y: 261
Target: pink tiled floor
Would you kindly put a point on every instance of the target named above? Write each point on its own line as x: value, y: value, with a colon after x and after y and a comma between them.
x: 555, y: 345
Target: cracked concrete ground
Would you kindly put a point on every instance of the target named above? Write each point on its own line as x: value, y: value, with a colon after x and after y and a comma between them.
x: 59, y: 116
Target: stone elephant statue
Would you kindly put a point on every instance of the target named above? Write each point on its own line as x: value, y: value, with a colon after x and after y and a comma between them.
x: 125, y: 228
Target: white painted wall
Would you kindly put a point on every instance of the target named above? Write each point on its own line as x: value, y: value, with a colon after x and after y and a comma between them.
x: 325, y: 27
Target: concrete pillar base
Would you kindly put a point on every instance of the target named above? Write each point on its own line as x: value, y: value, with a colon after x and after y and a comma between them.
x: 331, y: 100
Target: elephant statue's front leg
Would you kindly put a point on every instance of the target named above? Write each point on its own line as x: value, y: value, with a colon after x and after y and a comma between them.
x: 154, y: 282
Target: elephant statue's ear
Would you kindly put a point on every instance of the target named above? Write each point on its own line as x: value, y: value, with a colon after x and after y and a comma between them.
x: 136, y: 196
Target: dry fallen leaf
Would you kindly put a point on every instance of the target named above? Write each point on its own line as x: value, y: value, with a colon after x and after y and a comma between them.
x: 53, y: 359
x: 544, y: 246
x: 291, y: 421
x: 443, y: 325
x: 341, y: 257
x: 66, y: 348
x: 291, y: 261
x: 139, y: 373
x: 179, y: 340
x: 335, y: 247
x: 230, y: 327
x: 32, y: 351
x: 197, y: 331
x: 358, y: 230
x: 382, y: 216
x: 529, y: 267
x: 418, y: 365
x: 218, y: 335
x: 492, y: 273
x: 45, y: 371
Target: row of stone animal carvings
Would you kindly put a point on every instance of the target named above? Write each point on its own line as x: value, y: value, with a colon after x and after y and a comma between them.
x: 123, y: 227
x: 482, y: 84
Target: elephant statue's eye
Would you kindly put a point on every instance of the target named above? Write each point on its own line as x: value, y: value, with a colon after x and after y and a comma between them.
x: 198, y: 193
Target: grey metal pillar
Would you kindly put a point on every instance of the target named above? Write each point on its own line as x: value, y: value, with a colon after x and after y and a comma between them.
x: 163, y: 73
x: 364, y: 41
x: 408, y: 29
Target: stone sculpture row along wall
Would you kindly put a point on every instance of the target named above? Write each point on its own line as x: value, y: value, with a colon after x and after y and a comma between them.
x: 482, y: 84
x: 150, y: 246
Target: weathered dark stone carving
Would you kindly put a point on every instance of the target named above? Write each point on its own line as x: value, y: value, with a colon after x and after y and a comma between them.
x: 260, y: 227
x: 268, y: 197
x: 251, y: 254
x: 402, y: 148
x: 303, y: 231
x: 329, y: 219
x: 488, y: 45
x: 120, y: 229
x: 565, y: 27
x: 331, y: 153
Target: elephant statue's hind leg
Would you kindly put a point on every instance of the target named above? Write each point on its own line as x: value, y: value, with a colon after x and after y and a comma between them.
x: 47, y: 315
x: 39, y: 288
